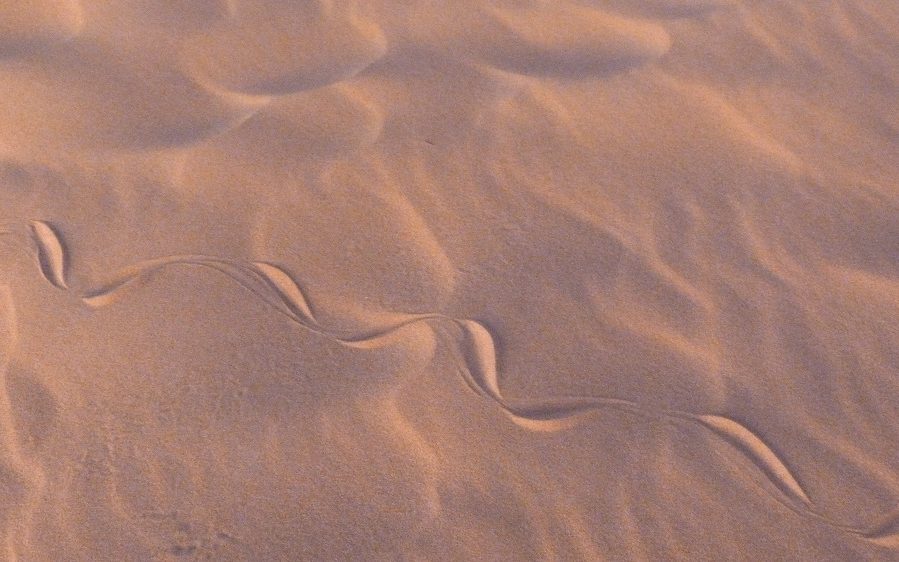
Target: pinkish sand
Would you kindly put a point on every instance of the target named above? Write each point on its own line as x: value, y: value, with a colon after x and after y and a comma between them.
x: 471, y: 280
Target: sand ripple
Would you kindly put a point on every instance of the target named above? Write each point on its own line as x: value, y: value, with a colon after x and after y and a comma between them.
x: 36, y: 24
x: 470, y: 280
x: 255, y: 50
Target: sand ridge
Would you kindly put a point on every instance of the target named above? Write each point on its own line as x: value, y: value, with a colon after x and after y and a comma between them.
x: 495, y: 279
x: 281, y: 293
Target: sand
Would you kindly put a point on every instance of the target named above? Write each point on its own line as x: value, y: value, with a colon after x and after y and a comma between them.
x: 469, y: 280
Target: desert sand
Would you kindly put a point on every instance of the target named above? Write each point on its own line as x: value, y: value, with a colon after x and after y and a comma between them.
x: 470, y: 280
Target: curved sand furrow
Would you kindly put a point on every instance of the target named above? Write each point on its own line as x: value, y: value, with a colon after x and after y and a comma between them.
x: 592, y: 279
x: 281, y: 292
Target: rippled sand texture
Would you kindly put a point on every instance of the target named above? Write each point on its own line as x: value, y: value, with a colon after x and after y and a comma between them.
x: 470, y: 280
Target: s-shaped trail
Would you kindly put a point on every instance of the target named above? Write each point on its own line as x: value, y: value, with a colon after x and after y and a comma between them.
x: 280, y: 291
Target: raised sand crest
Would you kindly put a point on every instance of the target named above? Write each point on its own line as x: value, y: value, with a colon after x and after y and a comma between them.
x: 280, y: 291
x: 468, y: 280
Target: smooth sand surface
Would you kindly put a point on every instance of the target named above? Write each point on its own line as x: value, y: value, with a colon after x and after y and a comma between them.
x: 468, y: 280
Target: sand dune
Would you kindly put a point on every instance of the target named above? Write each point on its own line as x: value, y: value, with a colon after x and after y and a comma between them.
x: 481, y: 280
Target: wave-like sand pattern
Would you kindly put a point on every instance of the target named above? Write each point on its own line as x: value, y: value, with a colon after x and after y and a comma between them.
x: 280, y: 291
x: 666, y: 8
x: 23, y: 480
x: 480, y: 280
x: 84, y: 95
x: 598, y: 43
x: 248, y: 52
x: 37, y: 24
x: 532, y: 38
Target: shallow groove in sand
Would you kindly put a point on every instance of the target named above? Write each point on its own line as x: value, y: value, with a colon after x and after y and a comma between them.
x: 51, y: 254
x: 280, y: 291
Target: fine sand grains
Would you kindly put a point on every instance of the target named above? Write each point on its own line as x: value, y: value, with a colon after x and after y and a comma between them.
x: 472, y: 280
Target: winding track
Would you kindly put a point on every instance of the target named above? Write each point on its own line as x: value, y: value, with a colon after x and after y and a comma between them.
x: 282, y: 293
